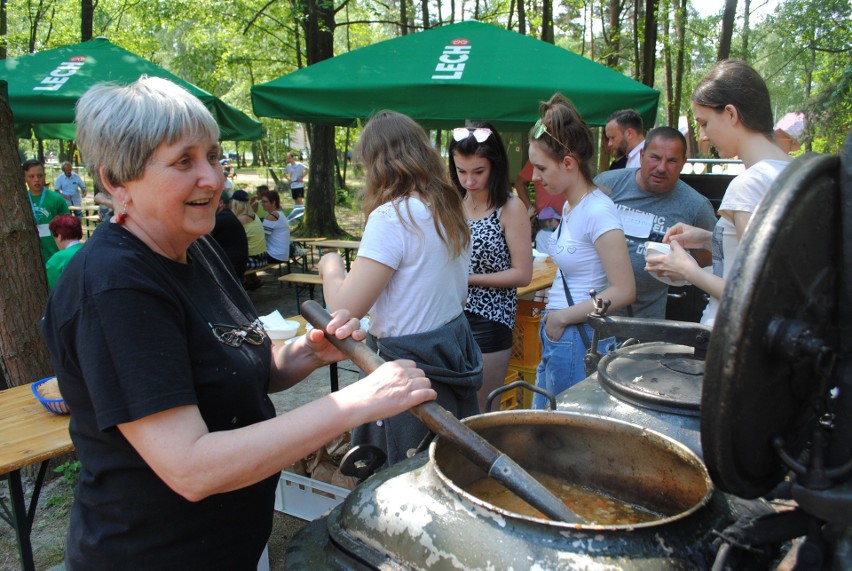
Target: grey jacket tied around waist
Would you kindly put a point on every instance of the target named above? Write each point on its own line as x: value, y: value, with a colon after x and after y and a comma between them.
x: 451, y: 359
x: 447, y: 355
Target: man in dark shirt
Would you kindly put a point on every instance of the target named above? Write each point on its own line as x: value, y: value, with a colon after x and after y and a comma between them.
x: 229, y: 233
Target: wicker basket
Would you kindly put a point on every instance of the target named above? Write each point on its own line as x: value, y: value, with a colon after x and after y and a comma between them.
x: 56, y: 406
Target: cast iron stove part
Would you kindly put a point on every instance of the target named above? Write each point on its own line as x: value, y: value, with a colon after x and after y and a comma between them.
x: 362, y: 461
x: 438, y: 419
x: 489, y: 401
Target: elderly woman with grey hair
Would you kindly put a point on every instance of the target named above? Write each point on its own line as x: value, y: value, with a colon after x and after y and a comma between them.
x: 179, y: 445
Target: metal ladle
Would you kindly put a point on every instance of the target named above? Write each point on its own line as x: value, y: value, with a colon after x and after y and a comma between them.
x: 482, y: 453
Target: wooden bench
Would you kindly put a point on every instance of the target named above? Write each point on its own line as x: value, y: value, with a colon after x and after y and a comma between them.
x: 303, y: 282
x: 268, y: 268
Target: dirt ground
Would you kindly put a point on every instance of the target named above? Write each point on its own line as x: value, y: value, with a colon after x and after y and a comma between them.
x: 51, y: 520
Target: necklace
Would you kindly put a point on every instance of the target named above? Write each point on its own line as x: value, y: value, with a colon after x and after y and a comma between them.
x: 571, y: 208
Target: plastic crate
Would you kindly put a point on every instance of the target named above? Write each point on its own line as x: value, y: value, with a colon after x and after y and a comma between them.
x: 526, y: 345
x: 520, y: 397
x: 305, y: 498
x: 509, y: 400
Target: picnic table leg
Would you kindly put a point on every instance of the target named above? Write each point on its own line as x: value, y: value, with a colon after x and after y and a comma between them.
x: 21, y: 523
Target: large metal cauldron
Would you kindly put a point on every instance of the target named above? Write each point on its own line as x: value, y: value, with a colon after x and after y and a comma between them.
x: 417, y: 514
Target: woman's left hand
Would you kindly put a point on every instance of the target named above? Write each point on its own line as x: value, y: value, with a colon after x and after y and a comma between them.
x: 342, y: 325
x: 678, y: 265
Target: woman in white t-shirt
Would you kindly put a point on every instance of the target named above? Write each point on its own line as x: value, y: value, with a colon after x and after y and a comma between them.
x: 410, y: 275
x: 588, y: 246
x: 732, y: 108
x: 276, y: 228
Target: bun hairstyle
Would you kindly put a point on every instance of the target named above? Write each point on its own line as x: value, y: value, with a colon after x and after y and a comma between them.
x: 564, y: 133
x: 734, y: 82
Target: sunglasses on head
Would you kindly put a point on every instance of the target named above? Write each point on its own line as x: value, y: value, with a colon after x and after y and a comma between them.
x: 540, y: 129
x: 479, y: 133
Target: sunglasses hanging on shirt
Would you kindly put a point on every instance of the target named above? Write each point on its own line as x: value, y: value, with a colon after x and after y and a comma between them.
x: 479, y: 133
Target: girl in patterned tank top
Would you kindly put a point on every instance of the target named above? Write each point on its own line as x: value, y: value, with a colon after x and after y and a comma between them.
x: 501, y: 253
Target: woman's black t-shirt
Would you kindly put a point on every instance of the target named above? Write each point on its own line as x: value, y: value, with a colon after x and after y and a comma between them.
x: 129, y: 332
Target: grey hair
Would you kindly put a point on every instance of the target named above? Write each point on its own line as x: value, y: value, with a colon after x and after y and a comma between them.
x: 120, y: 126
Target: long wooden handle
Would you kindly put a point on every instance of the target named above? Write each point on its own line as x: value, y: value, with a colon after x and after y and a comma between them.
x: 441, y: 422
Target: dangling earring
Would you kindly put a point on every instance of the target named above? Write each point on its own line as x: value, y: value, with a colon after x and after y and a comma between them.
x: 122, y: 216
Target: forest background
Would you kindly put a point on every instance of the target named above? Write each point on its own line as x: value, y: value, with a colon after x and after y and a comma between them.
x: 803, y: 48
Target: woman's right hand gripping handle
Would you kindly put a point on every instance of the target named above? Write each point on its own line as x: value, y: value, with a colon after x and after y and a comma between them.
x: 394, y: 387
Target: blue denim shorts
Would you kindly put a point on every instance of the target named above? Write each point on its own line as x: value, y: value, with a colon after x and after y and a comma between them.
x: 561, y: 365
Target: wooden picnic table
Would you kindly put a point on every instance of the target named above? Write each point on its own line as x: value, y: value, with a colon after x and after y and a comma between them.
x: 346, y: 245
x: 542, y: 278
x: 84, y: 208
x: 29, y: 434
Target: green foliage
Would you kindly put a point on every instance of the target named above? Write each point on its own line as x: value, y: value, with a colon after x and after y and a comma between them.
x: 70, y: 470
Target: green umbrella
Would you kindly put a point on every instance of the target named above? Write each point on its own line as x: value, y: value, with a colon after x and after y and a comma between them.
x: 44, y: 88
x: 442, y: 76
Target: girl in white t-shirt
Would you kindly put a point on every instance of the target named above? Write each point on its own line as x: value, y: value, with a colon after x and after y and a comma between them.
x: 588, y: 246
x: 410, y: 274
x: 732, y: 108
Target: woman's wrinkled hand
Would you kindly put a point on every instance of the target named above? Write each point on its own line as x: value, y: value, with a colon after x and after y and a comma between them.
x: 678, y: 265
x: 393, y: 388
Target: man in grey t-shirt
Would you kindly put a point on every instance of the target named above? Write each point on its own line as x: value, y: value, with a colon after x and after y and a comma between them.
x: 650, y: 200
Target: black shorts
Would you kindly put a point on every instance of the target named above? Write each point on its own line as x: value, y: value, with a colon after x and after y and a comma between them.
x: 297, y: 192
x: 489, y: 335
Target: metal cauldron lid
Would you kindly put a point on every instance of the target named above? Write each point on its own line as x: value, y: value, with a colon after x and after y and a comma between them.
x: 657, y: 376
x: 786, y: 269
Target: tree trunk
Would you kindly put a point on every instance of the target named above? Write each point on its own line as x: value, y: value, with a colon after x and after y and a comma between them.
x: 547, y: 21
x: 649, y: 49
x: 680, y: 25
x: 522, y: 18
x: 666, y: 12
x: 23, y: 284
x: 424, y: 9
x: 403, y: 17
x: 746, y: 10
x: 727, y: 30
x: 319, y: 219
x: 614, y: 43
x: 637, y: 59
x: 87, y: 16
x: 3, y: 29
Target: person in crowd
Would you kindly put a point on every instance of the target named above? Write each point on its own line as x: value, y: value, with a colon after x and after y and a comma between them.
x: 650, y: 200
x: 411, y: 274
x: 180, y: 449
x: 276, y: 228
x: 588, y: 247
x: 67, y: 232
x: 731, y: 105
x: 229, y: 234
x: 226, y: 171
x: 296, y: 171
x: 71, y: 187
x: 257, y: 255
x: 548, y: 222
x: 45, y: 205
x: 256, y: 201
x: 106, y: 207
x: 500, y: 257
x: 541, y: 199
x: 625, y: 137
